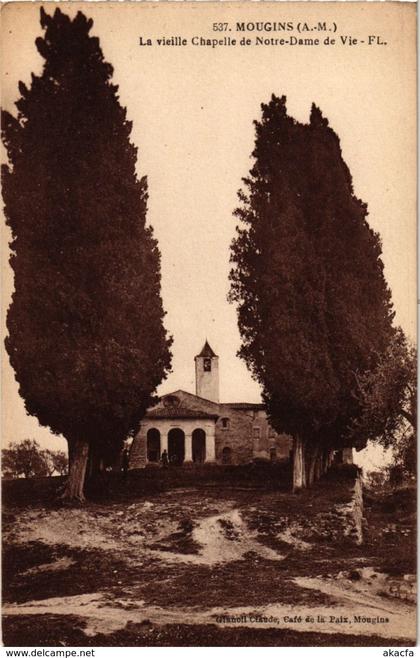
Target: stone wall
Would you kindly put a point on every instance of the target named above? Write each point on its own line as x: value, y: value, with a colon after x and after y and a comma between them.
x: 345, y: 520
x: 237, y: 436
x: 265, y: 439
x: 352, y: 513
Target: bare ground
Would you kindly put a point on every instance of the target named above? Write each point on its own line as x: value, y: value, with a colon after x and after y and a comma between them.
x: 209, y: 567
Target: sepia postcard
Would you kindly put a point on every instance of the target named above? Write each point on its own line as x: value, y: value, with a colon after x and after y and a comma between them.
x: 209, y: 329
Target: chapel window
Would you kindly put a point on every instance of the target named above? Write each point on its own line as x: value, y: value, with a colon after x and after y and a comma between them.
x: 226, y: 455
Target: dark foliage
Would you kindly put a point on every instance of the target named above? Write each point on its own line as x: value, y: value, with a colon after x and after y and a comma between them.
x: 387, y: 396
x: 86, y: 336
x: 27, y: 459
x: 307, y: 277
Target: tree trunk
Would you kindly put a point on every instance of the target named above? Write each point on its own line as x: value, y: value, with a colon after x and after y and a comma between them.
x: 93, y: 468
x: 324, y: 461
x: 311, y: 456
x: 299, y: 479
x: 117, y: 462
x: 70, y: 450
x: 318, y: 466
x: 78, y: 458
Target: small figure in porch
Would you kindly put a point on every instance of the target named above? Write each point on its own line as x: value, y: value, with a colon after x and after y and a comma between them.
x: 164, y: 459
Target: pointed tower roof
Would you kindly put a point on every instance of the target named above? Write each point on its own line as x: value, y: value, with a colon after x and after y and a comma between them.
x: 207, y: 351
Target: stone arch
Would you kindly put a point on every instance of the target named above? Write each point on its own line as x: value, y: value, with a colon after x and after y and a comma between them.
x: 153, y: 445
x: 176, y: 446
x: 199, y: 446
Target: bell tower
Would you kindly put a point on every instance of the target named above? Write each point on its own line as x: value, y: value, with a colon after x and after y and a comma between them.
x: 207, y: 374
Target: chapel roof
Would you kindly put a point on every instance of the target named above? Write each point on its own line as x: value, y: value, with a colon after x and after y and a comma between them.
x: 181, y: 404
x: 178, y: 412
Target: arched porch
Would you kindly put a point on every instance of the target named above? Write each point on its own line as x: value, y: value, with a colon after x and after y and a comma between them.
x: 187, y: 440
x: 176, y: 446
x: 198, y: 446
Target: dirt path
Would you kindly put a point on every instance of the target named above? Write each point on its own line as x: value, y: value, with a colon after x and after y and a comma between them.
x: 187, y: 539
x: 104, y: 615
x: 221, y: 538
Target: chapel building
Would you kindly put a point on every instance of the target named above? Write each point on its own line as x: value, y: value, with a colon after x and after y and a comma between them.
x: 196, y: 429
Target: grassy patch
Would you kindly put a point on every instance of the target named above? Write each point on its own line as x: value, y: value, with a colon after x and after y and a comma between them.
x: 91, y: 571
x: 251, y: 581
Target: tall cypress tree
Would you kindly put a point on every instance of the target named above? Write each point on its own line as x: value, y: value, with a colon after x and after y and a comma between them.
x: 313, y: 304
x: 86, y: 336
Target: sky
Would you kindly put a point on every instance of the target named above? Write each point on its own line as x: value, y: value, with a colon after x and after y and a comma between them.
x: 192, y: 109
